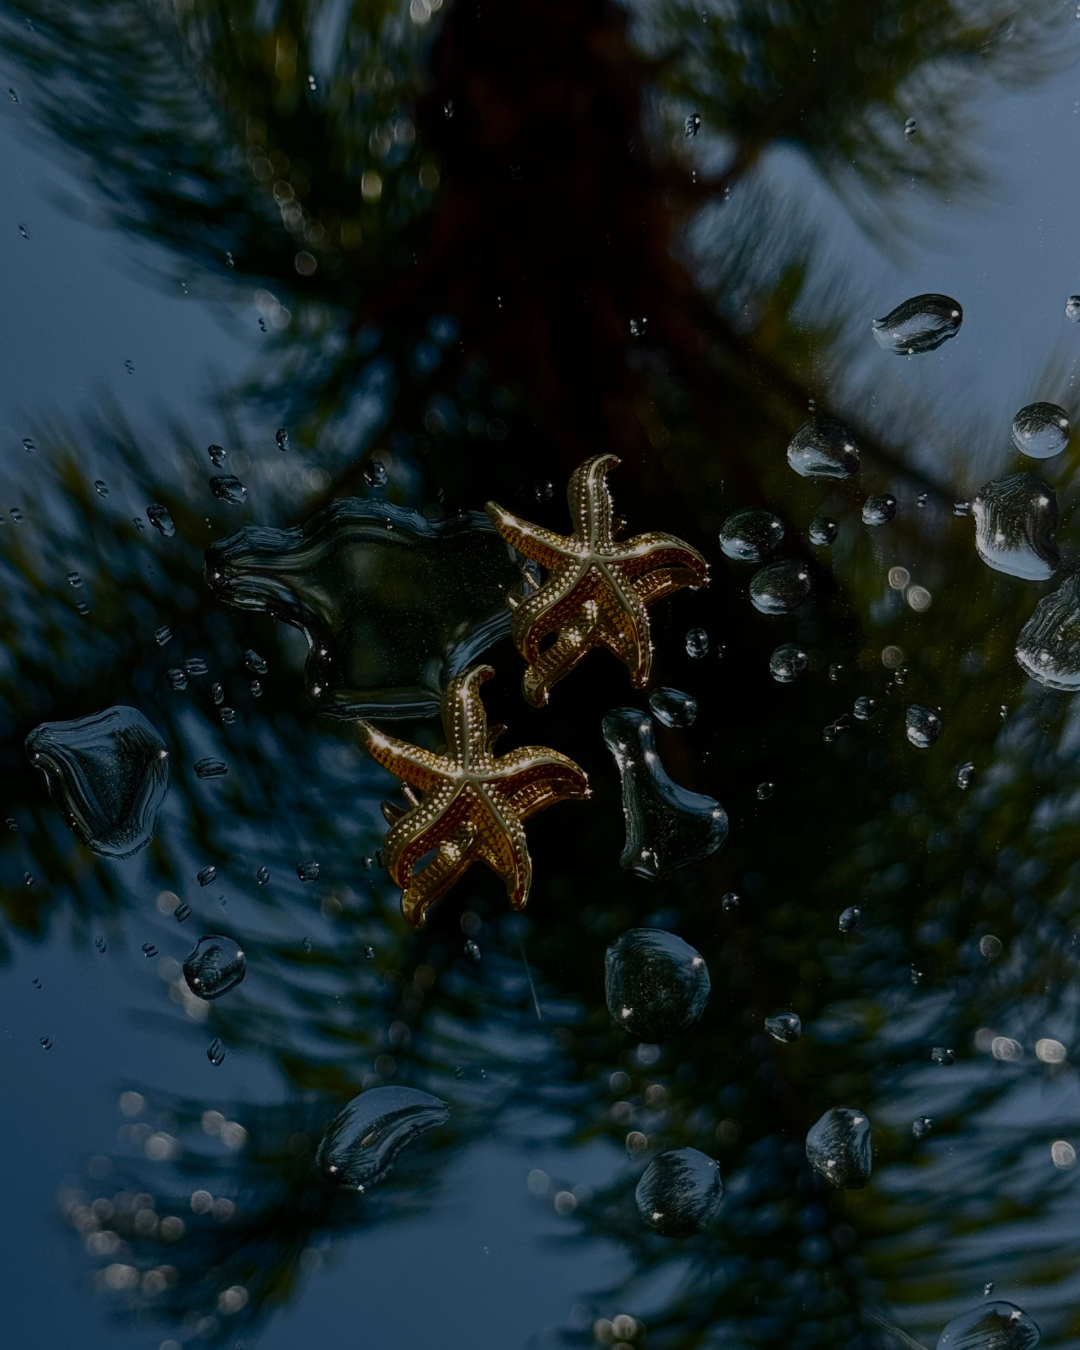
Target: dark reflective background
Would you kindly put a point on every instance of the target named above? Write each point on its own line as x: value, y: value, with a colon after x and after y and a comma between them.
x: 477, y: 245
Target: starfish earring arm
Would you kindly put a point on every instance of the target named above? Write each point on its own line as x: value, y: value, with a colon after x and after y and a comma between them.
x: 589, y: 499
x: 418, y: 767
x: 542, y: 546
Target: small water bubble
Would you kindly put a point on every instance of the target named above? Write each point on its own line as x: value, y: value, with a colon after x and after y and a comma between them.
x: 543, y: 492
x: 13, y: 95
x: 369, y: 953
x: 788, y: 662
x: 637, y: 327
x: 1041, y: 430
x: 16, y: 514
x: 74, y: 579
x: 228, y: 716
x: 865, y: 707
x: 206, y: 876
x: 941, y: 1054
x: 311, y: 83
x: 961, y: 508
x: 910, y: 127
x: 923, y: 726
x: 836, y: 672
x: 448, y: 109
x: 990, y: 946
x: 36, y: 982
x: 879, y: 509
x: 1072, y: 308
x: 211, y: 768
x: 472, y: 951
x: 765, y: 791
x: 230, y: 261
x: 375, y: 475
x: 262, y: 325
x: 195, y: 665
x: 920, y: 324
x: 215, y: 1052
x: 262, y: 875
x: 217, y: 455
x: 656, y: 985
x: 307, y: 871
x: 81, y: 607
x: 46, y: 1042
x: 780, y: 587
x: 672, y: 707
x: 149, y: 950
x: 161, y: 520
x: 226, y: 487
x: 750, y: 536
x: 697, y: 643
x: 182, y: 912
x: 921, y: 1127
x: 839, y: 1148
x: 679, y: 1192
x: 784, y: 1027
x: 824, y: 448
x: 988, y: 1287
x: 24, y: 232
x: 965, y: 775
x: 922, y: 499
x: 129, y: 366
x: 214, y: 966
x: 256, y: 689
x: 217, y: 693
x: 282, y: 438
x: 849, y: 918
x: 101, y: 944
x: 101, y: 487
x: 729, y: 903
x: 11, y: 823
x: 138, y: 522
x: 822, y: 531
x: 900, y: 676
x: 177, y: 678
x: 692, y: 126
x: 163, y: 635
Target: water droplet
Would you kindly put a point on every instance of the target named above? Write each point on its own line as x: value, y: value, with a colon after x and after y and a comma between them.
x: 667, y: 826
x: 990, y: 1326
x: 74, y: 579
x: 839, y: 1148
x: 230, y: 261
x: 679, y: 1192
x: 941, y: 1054
x: 1041, y: 430
x: 988, y: 1288
x: 672, y: 707
x: 1049, y: 644
x: 923, y: 726
x: 730, y: 903
x: 824, y: 448
x: 375, y: 475
x: 24, y: 232
x: 159, y: 517
x: 217, y: 693
x: 849, y: 918
x: 910, y: 127
x: 107, y: 775
x: 637, y: 327
x: 780, y: 588
x: 163, y: 635
x: 215, y: 1052
x: 697, y: 643
x: 195, y: 665
x: 965, y: 775
x: 311, y: 83
x: 921, y: 1127
x: 282, y: 438
x: 362, y: 1142
x: 101, y: 944
x: 1015, y: 520
x: 765, y: 791
x: 307, y: 871
x: 788, y: 662
x: 822, y: 531
x: 656, y: 985
x: 149, y: 950
x: 206, y: 876
x: 46, y: 1042
x: 1072, y: 308
x: 922, y: 499
x: 182, y: 912
x: 226, y: 487
x: 784, y: 1027
x: 990, y: 946
x: 879, y: 509
x: 865, y: 707
x: 750, y: 536
x: 177, y: 678
x: 441, y: 586
x: 262, y: 875
x: 448, y: 109
x: 472, y: 952
x: 692, y: 126
x: 217, y: 455
x: 920, y: 324
x: 211, y: 768
x: 256, y: 689
x: 369, y: 953
x: 101, y: 487
x: 13, y: 96
x: 214, y: 966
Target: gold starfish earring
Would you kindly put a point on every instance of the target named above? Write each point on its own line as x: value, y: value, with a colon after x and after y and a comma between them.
x: 473, y: 804
x: 597, y: 590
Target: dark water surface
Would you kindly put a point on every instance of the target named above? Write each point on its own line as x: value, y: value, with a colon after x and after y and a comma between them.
x: 442, y: 257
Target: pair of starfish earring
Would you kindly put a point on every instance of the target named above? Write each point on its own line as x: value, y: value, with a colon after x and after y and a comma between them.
x: 472, y: 804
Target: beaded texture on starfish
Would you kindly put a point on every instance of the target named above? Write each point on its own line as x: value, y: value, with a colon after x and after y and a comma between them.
x: 473, y: 804
x: 598, y: 588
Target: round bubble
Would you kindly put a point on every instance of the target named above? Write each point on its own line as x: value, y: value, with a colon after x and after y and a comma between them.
x: 680, y: 1192
x: 750, y: 536
x: 655, y: 983
x: 216, y: 965
x: 1041, y: 430
x: 788, y: 662
x: 824, y: 448
x: 780, y: 588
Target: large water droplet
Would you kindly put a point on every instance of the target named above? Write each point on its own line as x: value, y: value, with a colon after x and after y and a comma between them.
x: 780, y: 588
x: 672, y: 707
x: 1015, y: 520
x: 375, y: 475
x: 879, y: 509
x: 1041, y: 430
x: 1049, y: 644
x: 217, y: 455
x: 697, y: 643
x: 923, y: 726
x: 784, y: 1027
x: 107, y: 775
x: 824, y: 448
x: 749, y: 536
x: 990, y: 1326
x: 667, y: 826
x: 1072, y: 308
x: 656, y: 984
x: 822, y: 531
x: 680, y: 1192
x: 918, y: 325
x: 865, y: 707
x: 362, y: 1142
x: 211, y: 768
x: 226, y: 487
x: 433, y: 596
x: 849, y: 918
x: 159, y: 517
x: 214, y: 966
x: 788, y: 662
x: 839, y: 1148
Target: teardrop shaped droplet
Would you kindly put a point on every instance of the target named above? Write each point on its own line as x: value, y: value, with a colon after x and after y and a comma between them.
x: 784, y: 1027
x: 362, y: 1142
x: 879, y: 509
x: 107, y: 775
x: 672, y: 707
x: 839, y: 1148
x: 679, y: 1192
x: 1015, y: 520
x: 215, y: 1053
x: 849, y: 918
x: 824, y: 448
x: 788, y: 662
x: 780, y: 588
x: 750, y: 536
x: 656, y: 984
x: 226, y: 487
x: 990, y: 1326
x: 920, y: 324
x: 1041, y: 430
x: 214, y: 966
x: 217, y: 455
x: 1048, y: 647
x: 667, y: 826
x: 822, y: 531
x: 159, y: 517
x: 923, y: 726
